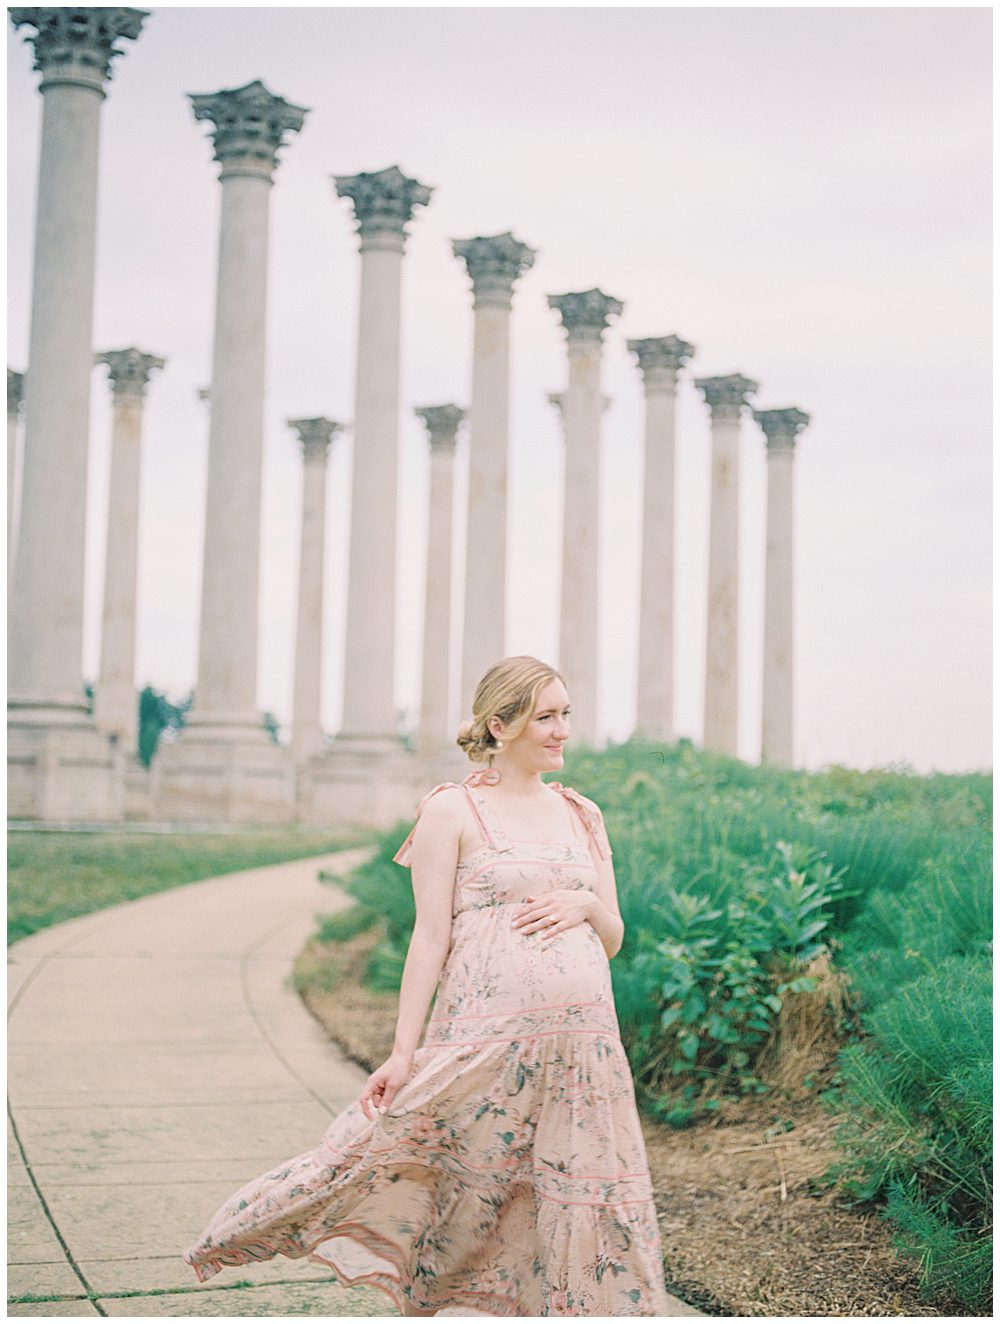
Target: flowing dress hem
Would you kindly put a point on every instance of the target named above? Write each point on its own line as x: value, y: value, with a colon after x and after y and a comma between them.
x: 386, y: 1282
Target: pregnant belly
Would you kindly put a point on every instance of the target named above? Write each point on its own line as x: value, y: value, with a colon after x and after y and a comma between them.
x: 501, y: 983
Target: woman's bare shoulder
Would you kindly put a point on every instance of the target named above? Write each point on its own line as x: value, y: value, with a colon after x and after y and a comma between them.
x: 446, y: 807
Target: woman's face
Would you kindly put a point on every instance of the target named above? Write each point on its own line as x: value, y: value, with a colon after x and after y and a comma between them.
x: 541, y: 742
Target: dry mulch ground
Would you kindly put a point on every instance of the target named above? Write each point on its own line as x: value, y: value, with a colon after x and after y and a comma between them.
x: 747, y: 1228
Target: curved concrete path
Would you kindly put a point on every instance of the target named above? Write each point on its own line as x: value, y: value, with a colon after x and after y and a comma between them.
x: 157, y: 1059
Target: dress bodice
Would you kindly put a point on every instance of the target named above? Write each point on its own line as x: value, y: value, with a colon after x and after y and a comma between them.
x: 503, y: 869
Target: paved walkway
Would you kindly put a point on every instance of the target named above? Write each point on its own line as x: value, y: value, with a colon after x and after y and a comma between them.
x: 157, y: 1059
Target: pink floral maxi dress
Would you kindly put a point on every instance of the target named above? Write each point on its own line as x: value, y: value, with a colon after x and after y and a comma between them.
x: 509, y: 1175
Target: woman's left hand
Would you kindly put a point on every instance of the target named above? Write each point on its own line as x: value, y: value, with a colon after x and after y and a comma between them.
x: 555, y: 911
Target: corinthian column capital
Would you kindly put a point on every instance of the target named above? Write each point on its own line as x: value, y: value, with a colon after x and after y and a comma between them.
x: 250, y: 127
x: 726, y: 396
x: 781, y: 427
x: 15, y: 392
x: 78, y: 45
x: 586, y: 315
x: 660, y: 359
x: 129, y: 371
x: 494, y: 264
x: 384, y: 203
x: 315, y: 434
x: 442, y: 423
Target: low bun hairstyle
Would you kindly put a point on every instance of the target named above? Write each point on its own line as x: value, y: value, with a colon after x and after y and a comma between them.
x: 508, y: 691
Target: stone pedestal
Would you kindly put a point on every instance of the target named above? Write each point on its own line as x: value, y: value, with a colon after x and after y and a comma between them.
x: 116, y: 701
x: 360, y: 784
x: 726, y: 397
x: 659, y: 360
x: 59, y: 762
x: 15, y: 399
x: 435, y: 736
x: 384, y: 203
x: 585, y: 317
x: 66, y: 773
x: 225, y: 737
x: 494, y: 264
x: 315, y: 436
x: 223, y: 776
x: 781, y: 428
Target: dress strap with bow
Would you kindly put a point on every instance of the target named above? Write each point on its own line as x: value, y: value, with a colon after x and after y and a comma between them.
x: 590, y: 815
x: 489, y: 775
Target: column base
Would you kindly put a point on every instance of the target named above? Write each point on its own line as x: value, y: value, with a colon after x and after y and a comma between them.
x: 357, y: 782
x: 215, y: 773
x: 139, y: 782
x: 371, y: 782
x: 62, y: 771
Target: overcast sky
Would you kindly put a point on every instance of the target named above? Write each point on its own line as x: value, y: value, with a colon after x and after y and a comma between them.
x: 804, y: 194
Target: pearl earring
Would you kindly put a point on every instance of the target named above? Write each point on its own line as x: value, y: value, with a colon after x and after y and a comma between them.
x: 498, y: 745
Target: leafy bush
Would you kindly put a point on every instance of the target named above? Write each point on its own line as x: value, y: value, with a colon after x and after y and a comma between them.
x: 346, y: 924
x: 699, y: 1003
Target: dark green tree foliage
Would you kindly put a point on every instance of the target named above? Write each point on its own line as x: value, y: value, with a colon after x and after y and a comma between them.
x: 156, y: 714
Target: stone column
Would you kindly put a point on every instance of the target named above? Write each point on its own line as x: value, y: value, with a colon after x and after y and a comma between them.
x: 781, y: 428
x: 726, y: 397
x: 315, y: 435
x: 225, y: 764
x: 494, y: 263
x: 74, y: 49
x: 15, y: 399
x: 435, y: 736
x: 585, y: 317
x: 660, y: 360
x: 251, y: 125
x: 115, y: 698
x: 384, y: 203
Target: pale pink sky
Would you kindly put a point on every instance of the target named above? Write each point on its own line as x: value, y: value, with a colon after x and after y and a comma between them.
x: 802, y: 193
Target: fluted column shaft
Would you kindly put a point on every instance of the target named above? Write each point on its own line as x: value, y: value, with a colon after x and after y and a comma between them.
x: 442, y: 423
x: 660, y: 361
x: 369, y: 703
x: 585, y: 317
x: 227, y: 662
x: 226, y: 689
x: 726, y: 399
x: 46, y: 611
x: 316, y: 435
x: 383, y: 204
x: 494, y: 264
x: 115, y: 698
x: 15, y: 399
x: 781, y: 427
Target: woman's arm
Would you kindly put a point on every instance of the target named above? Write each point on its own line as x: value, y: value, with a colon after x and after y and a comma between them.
x: 433, y: 863
x: 604, y: 914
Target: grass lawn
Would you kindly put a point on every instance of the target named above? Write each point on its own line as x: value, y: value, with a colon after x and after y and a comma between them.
x: 54, y: 876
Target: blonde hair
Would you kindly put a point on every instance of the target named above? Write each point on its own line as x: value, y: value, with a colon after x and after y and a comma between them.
x: 508, y: 691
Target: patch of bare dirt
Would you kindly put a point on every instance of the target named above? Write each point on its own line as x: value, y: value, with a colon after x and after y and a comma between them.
x: 748, y: 1227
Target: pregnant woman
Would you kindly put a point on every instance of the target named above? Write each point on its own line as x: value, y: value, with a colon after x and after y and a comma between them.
x: 498, y: 1166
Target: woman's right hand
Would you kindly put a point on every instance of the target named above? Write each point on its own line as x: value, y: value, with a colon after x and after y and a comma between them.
x: 381, y: 1087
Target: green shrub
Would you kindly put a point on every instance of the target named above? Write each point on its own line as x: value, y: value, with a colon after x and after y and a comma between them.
x: 700, y: 1003
x: 346, y: 924
x: 917, y: 1098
